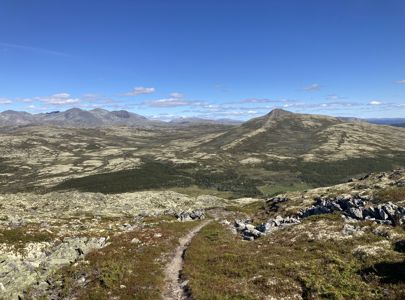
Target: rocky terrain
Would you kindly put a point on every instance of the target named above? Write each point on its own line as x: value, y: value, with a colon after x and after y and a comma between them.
x: 286, y: 206
x: 339, y: 242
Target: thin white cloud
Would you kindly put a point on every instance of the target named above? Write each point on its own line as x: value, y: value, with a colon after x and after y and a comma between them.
x: 5, y: 101
x: 168, y: 102
x: 176, y: 95
x: 258, y: 100
x: 402, y: 81
x: 174, y: 100
x: 140, y: 90
x: 334, y: 97
x: 25, y: 100
x: 32, y: 49
x: 59, y: 99
x: 314, y: 87
x: 375, y: 102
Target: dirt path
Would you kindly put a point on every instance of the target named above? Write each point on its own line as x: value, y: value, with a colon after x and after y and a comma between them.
x: 176, y: 289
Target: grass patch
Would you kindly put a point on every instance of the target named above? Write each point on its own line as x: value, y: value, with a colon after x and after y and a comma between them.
x: 20, y: 236
x: 251, y: 208
x: 395, y: 194
x: 122, y: 270
x: 273, y: 190
x: 286, y: 264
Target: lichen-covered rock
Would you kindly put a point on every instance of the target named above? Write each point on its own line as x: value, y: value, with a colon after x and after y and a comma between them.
x: 22, y: 268
x: 358, y: 208
x: 250, y: 231
x: 190, y: 215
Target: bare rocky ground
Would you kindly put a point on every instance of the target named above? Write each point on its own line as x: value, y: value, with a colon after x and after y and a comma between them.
x: 327, y: 255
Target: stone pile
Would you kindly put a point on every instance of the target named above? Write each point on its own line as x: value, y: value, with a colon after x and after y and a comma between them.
x: 190, y: 215
x: 354, y: 207
x: 357, y: 207
x: 251, y: 232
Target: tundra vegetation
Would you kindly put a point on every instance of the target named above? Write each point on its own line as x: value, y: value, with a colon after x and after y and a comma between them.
x: 92, y: 210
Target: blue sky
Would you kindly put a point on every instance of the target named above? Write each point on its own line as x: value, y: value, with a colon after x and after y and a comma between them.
x: 216, y: 59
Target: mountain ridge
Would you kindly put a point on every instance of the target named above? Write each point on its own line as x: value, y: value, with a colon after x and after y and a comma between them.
x: 98, y: 117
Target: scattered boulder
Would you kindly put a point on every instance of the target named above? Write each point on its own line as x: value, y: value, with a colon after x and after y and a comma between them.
x: 190, y: 215
x: 135, y: 241
x: 251, y: 232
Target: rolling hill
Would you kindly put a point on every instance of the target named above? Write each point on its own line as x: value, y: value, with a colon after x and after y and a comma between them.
x: 308, y: 137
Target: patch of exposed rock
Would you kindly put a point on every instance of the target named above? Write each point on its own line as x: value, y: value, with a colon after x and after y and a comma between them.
x: 190, y: 215
x: 20, y: 269
x: 34, y: 208
x: 357, y: 207
x: 351, y: 207
x: 251, y: 232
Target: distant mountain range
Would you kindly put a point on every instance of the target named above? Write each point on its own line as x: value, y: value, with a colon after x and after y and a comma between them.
x: 194, y: 120
x: 76, y: 117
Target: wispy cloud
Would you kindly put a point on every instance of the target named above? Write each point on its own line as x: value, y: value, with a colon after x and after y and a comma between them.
x: 140, y: 90
x: 175, y: 99
x: 33, y: 49
x: 334, y: 97
x: 5, y: 101
x: 259, y: 100
x: 402, y: 81
x: 168, y: 102
x: 176, y: 95
x: 59, y: 99
x: 24, y: 100
x: 375, y: 102
x: 314, y: 87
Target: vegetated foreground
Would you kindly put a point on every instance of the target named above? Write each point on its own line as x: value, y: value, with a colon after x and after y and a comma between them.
x: 328, y: 254
x: 101, y: 213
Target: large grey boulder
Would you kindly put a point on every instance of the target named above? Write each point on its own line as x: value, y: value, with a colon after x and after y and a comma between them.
x: 190, y: 215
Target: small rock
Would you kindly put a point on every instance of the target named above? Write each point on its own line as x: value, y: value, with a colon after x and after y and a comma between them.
x: 250, y: 227
x: 135, y: 241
